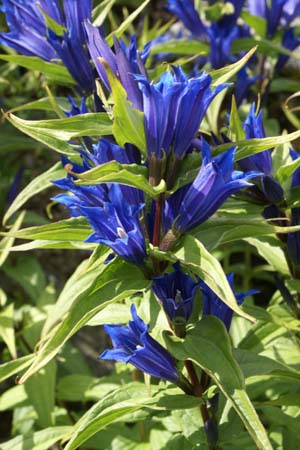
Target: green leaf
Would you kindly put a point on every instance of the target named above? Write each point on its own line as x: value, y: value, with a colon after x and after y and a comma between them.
x: 194, y: 256
x: 40, y: 440
x: 12, y: 367
x: 8, y: 241
x: 259, y: 24
x: 223, y: 75
x: 208, y: 346
x: 126, y: 23
x: 221, y: 230
x: 55, y: 133
x: 82, y: 388
x: 79, y: 284
x: 128, y: 124
x: 125, y: 400
x: 256, y: 365
x: 118, y: 280
x: 28, y: 273
x: 13, y: 397
x: 51, y: 23
x: 236, y: 131
x: 114, y: 172
x: 75, y: 229
x: 40, y: 389
x: 62, y: 245
x: 285, y: 172
x: 180, y: 46
x: 101, y: 11
x: 54, y: 72
x: 38, y: 184
x: 7, y: 331
x: 250, y: 147
x: 269, y: 248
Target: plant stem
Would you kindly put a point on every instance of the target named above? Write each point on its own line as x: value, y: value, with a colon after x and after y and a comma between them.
x: 157, y: 221
x: 198, y: 390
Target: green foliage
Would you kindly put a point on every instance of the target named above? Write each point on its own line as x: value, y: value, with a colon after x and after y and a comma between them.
x: 53, y: 303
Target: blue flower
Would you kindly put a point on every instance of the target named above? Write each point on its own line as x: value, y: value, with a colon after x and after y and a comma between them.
x: 27, y: 26
x: 261, y: 162
x: 174, y: 108
x: 112, y: 210
x: 214, y: 306
x: 221, y: 39
x: 123, y: 61
x: 277, y: 13
x: 191, y: 205
x: 14, y: 188
x: 291, y: 42
x: 220, y: 34
x: 117, y: 225
x: 176, y: 291
x: 254, y: 129
x: 133, y: 344
x: 293, y: 239
x: 30, y: 35
x: 185, y: 11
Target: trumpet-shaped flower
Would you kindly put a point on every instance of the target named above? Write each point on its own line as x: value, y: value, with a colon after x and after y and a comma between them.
x: 117, y: 225
x: 220, y: 34
x: 113, y: 211
x: 186, y: 12
x: 30, y: 35
x: 277, y: 12
x: 213, y: 305
x: 254, y: 128
x: 174, y: 108
x: 123, y: 61
x: 261, y: 162
x: 176, y: 291
x: 217, y: 180
x: 133, y: 344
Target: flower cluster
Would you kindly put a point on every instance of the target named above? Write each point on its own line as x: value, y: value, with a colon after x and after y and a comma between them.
x: 220, y: 34
x: 172, y: 108
x: 61, y: 37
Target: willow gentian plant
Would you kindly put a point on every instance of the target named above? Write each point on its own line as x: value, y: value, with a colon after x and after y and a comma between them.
x: 175, y: 219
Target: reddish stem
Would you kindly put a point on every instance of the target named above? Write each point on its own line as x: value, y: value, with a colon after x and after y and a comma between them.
x: 157, y: 222
x: 198, y: 390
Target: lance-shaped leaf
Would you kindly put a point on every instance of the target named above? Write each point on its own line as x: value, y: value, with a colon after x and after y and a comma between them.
x: 180, y: 47
x: 114, y: 172
x: 7, y: 331
x: 118, y: 280
x: 220, y: 76
x: 55, y: 72
x: 124, y: 400
x: 208, y: 346
x: 55, y: 133
x: 126, y: 23
x: 38, y: 184
x: 250, y: 147
x: 75, y: 229
x: 13, y: 367
x: 128, y: 123
x: 8, y: 241
x: 40, y: 440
